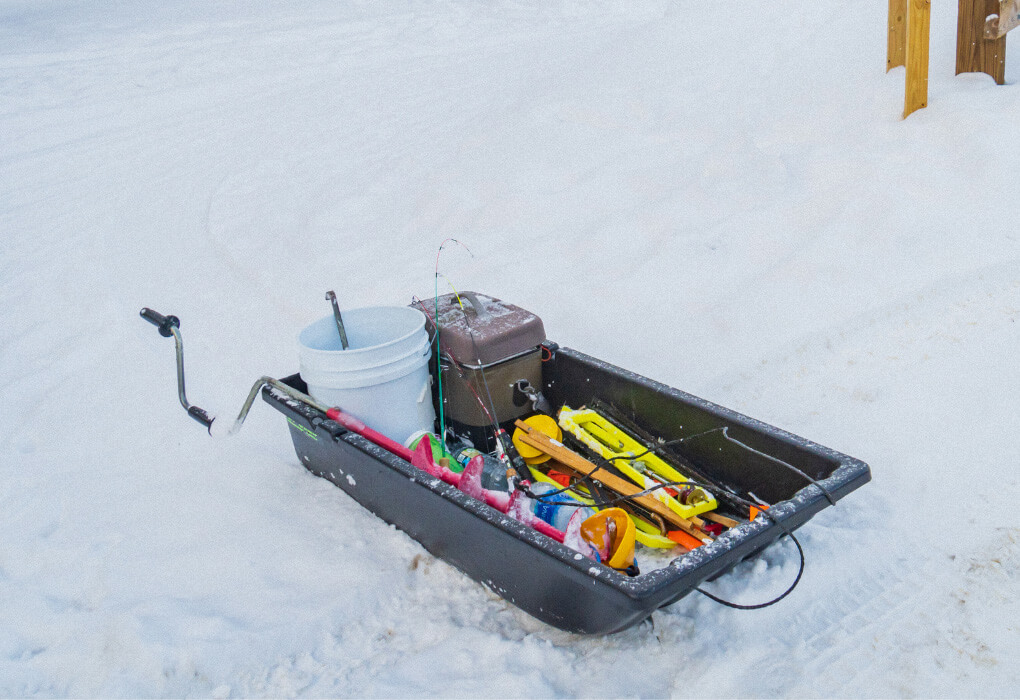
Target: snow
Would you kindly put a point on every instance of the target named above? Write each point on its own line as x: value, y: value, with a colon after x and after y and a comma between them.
x: 731, y: 206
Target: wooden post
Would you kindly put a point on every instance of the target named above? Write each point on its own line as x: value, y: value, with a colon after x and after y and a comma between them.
x: 918, y: 25
x: 975, y: 53
x: 896, y: 51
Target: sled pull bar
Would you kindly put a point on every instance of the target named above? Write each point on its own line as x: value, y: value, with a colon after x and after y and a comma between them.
x: 168, y: 326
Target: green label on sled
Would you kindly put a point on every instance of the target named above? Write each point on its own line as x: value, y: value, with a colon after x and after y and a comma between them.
x: 303, y: 429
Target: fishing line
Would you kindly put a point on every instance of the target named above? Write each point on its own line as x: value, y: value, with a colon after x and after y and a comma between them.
x: 474, y: 344
x: 608, y: 503
x: 725, y: 433
x: 673, y: 484
x: 457, y: 365
x: 499, y: 433
x: 493, y: 418
x: 490, y: 414
x: 661, y: 485
x: 825, y: 491
x: 603, y: 503
x: 439, y: 373
x: 481, y: 370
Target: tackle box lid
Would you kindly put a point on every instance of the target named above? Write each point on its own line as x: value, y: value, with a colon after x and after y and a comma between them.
x: 480, y: 330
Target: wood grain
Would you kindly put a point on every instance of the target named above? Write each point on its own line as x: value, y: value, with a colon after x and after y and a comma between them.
x: 918, y: 28
x: 896, y: 50
x: 974, y: 53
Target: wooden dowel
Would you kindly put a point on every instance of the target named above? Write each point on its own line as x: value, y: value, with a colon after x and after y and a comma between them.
x: 721, y: 519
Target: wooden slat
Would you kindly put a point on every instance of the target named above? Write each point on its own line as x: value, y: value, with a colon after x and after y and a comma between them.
x: 918, y: 25
x: 896, y: 50
x: 974, y: 53
x: 575, y: 462
x: 721, y: 519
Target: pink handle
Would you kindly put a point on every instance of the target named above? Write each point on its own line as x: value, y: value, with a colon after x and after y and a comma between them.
x: 356, y: 426
x: 422, y: 458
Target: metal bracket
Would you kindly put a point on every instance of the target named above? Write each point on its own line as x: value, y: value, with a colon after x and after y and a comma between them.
x: 1008, y: 18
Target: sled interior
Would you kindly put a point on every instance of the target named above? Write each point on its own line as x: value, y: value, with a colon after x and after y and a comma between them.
x: 545, y: 578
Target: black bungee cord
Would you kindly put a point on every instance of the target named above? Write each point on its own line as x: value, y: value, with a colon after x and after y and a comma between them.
x: 788, y: 591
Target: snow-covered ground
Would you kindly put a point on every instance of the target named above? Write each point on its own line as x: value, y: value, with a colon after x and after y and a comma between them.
x: 721, y: 198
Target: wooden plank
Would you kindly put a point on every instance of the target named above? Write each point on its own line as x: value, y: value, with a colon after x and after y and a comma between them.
x: 1008, y: 18
x: 896, y: 50
x: 573, y: 462
x: 975, y: 54
x: 918, y: 25
x: 570, y: 459
x: 721, y: 519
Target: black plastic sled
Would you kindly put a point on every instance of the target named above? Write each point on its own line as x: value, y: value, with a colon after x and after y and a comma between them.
x: 543, y: 577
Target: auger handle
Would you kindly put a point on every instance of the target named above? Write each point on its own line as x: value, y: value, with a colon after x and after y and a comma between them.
x: 163, y: 323
x: 167, y: 326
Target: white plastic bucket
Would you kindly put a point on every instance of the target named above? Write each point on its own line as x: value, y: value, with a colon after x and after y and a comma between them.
x: 382, y: 377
